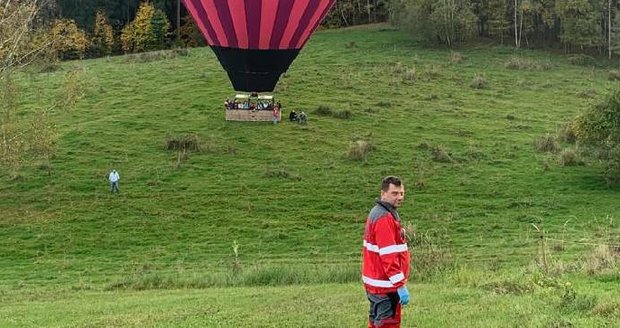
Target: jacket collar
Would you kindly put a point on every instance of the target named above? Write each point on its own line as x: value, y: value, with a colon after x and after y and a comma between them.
x: 390, y: 208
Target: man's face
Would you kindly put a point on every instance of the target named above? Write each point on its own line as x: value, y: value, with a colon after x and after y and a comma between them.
x: 394, y: 195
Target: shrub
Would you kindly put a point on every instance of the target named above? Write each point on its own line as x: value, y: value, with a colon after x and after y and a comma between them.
x: 601, y: 259
x: 589, y: 93
x: 328, y: 111
x: 359, y: 150
x: 518, y: 63
x: 571, y: 301
x: 429, y: 257
x: 399, y: 68
x: 188, y: 142
x: 324, y: 111
x: 183, y: 145
x: 614, y: 75
x: 410, y: 74
x: 547, y: 144
x: 582, y: 60
x: 566, y: 133
x: 608, y: 310
x: 439, y: 154
x: 432, y: 72
x: 151, y: 56
x: 599, y: 128
x: 479, y: 82
x: 570, y: 157
x: 455, y: 57
x: 280, y: 173
x: 343, y: 114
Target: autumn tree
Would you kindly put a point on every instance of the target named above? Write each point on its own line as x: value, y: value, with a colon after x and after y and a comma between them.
x: 147, y: 31
x: 68, y: 40
x: 102, y: 41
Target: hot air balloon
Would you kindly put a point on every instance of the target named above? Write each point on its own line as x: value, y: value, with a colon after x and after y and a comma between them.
x: 257, y: 40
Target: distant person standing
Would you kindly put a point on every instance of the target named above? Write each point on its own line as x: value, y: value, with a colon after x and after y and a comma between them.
x: 385, y: 261
x: 275, y: 115
x: 113, y: 178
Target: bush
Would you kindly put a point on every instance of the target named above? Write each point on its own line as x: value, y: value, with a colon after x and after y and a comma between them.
x: 566, y: 133
x: 328, y: 111
x: 599, y: 128
x: 324, y: 111
x: 183, y: 145
x: 151, y: 56
x: 410, y: 74
x: 547, y: 144
x: 582, y: 60
x: 399, y: 68
x: 439, y: 154
x: 455, y: 57
x: 343, y: 114
x: 589, y: 93
x: 603, y: 258
x: 614, y: 75
x: 570, y: 157
x: 359, y: 150
x: 479, y: 82
x: 280, y: 173
x: 518, y: 63
x: 432, y: 72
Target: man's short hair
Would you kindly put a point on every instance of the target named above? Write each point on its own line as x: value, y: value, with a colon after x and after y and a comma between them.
x: 387, y: 181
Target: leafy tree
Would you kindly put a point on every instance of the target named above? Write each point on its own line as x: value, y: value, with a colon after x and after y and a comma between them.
x: 580, y: 23
x: 445, y: 21
x: 454, y: 20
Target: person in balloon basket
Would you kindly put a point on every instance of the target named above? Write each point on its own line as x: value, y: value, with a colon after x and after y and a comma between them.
x: 275, y: 115
x: 292, y: 116
x: 385, y: 259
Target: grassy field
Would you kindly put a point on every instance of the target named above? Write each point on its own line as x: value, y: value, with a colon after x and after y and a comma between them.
x: 458, y: 127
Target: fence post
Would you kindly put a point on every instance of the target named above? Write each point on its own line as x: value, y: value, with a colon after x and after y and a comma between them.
x: 542, y: 243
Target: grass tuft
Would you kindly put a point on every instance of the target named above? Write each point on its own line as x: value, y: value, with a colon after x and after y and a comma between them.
x: 547, y: 144
x: 441, y: 155
x: 519, y: 63
x: 479, y: 82
x: 570, y: 157
x: 359, y: 150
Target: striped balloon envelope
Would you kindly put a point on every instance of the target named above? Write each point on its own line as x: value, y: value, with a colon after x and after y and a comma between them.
x: 257, y: 40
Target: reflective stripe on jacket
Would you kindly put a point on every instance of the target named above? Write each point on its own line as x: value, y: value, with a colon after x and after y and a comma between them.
x: 385, y: 265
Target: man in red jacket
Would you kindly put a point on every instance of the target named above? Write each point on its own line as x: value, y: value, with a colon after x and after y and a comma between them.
x: 385, y: 266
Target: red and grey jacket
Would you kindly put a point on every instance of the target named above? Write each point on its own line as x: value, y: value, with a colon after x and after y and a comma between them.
x: 385, y: 265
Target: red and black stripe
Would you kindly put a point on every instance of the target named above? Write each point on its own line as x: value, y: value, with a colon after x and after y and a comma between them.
x: 257, y: 40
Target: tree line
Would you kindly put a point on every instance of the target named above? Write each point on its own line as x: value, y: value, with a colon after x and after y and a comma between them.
x: 104, y: 27
x: 587, y: 26
x: 576, y: 25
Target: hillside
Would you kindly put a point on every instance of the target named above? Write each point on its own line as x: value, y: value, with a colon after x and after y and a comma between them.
x: 288, y: 195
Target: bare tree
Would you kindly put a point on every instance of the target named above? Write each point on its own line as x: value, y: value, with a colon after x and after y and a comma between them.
x: 24, y: 44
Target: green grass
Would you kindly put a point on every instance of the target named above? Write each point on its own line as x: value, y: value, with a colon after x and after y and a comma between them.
x: 290, y: 195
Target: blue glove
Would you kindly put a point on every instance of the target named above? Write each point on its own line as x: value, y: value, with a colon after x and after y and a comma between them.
x: 403, y: 293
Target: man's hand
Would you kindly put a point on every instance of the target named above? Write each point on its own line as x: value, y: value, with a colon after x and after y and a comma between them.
x: 403, y: 294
